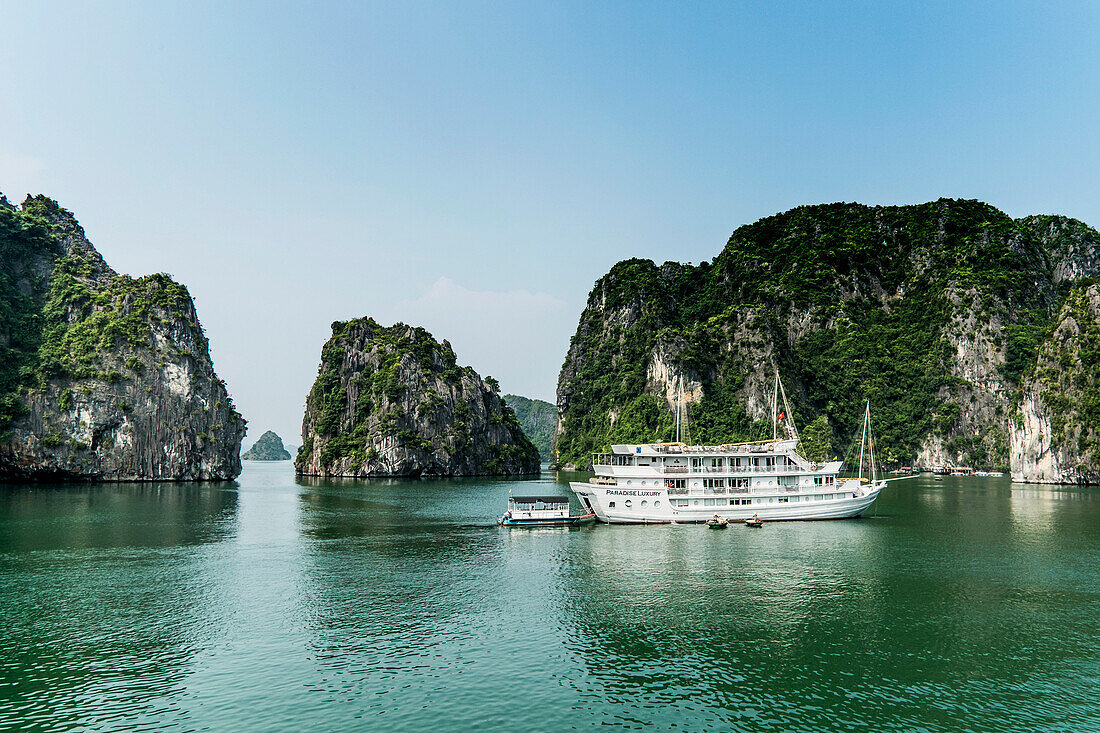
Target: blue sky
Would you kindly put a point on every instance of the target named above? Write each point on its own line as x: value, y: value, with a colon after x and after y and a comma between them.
x: 474, y: 167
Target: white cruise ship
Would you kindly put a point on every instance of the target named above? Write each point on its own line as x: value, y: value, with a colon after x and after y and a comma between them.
x: 676, y: 482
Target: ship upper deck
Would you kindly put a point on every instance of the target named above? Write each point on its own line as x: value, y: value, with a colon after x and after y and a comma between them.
x: 728, y: 449
x: 773, y: 456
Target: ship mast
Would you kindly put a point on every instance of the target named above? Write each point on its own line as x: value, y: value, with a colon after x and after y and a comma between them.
x: 788, y: 425
x: 870, y: 441
x: 679, y: 400
x: 775, y: 406
x: 865, y: 441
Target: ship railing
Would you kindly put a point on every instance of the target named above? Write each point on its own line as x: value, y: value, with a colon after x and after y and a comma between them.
x: 739, y: 489
x: 677, y: 492
x: 676, y: 469
x: 714, y: 492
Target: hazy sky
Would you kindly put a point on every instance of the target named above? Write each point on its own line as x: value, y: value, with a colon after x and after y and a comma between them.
x: 474, y: 167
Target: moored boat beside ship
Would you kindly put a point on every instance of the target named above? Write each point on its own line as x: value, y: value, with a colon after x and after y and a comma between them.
x: 541, y: 511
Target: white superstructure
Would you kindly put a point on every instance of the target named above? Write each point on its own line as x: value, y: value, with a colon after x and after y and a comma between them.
x: 676, y: 482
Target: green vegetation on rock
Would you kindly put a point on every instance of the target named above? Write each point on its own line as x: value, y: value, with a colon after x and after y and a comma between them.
x: 538, y: 420
x: 1068, y: 375
x: 392, y: 401
x: 269, y: 447
x: 850, y: 303
x: 101, y: 375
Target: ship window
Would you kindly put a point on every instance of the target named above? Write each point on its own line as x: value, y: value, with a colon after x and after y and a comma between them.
x: 782, y: 499
x: 610, y: 505
x: 829, y: 479
x: 657, y: 503
x: 695, y: 502
x: 628, y: 482
x: 628, y: 503
x: 644, y: 502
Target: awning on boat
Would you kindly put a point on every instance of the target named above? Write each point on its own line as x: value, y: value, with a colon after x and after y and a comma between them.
x: 539, y: 499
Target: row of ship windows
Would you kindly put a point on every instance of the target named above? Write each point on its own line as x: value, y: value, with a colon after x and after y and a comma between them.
x: 733, y: 502
x: 741, y: 502
x: 737, y: 483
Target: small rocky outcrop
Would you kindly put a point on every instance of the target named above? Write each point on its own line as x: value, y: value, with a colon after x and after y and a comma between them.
x: 102, y: 376
x: 391, y: 401
x: 269, y: 447
x: 1055, y: 434
x: 538, y: 420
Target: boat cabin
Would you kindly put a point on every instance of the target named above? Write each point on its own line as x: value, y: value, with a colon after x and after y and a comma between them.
x: 538, y: 507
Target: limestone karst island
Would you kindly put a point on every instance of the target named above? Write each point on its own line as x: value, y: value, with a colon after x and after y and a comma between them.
x: 975, y: 333
x: 392, y: 401
x: 102, y: 376
x: 268, y: 447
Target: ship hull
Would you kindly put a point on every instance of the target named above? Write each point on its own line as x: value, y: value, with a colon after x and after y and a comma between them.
x: 614, y: 505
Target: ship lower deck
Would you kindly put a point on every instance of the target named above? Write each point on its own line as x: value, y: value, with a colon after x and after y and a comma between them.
x: 618, y: 506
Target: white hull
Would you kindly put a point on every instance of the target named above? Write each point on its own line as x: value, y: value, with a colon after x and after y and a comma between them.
x: 614, y: 505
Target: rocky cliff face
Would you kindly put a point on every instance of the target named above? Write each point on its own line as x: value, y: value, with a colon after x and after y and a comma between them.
x: 393, y: 402
x: 1055, y: 433
x: 102, y: 376
x: 269, y: 447
x: 934, y: 312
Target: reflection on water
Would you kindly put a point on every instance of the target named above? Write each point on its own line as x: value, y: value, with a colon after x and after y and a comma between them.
x: 346, y: 605
x: 106, y: 599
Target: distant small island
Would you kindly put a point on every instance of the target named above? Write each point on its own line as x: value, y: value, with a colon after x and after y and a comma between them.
x: 268, y: 448
x: 538, y: 419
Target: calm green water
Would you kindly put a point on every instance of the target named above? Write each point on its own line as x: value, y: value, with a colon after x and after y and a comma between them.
x: 966, y: 604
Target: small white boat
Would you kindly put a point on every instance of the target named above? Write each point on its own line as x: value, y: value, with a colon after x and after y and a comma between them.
x: 541, y: 511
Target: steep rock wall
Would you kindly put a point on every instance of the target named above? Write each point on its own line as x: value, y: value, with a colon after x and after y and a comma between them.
x: 1055, y: 433
x: 102, y: 376
x: 393, y: 402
